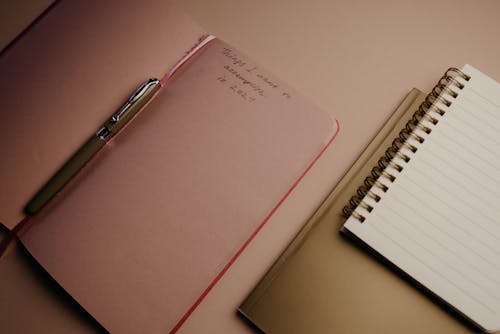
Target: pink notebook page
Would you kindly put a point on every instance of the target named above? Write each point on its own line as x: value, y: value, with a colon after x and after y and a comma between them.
x: 145, y: 232
x: 67, y: 74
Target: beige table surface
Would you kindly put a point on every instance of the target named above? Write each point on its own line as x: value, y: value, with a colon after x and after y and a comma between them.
x: 355, y: 59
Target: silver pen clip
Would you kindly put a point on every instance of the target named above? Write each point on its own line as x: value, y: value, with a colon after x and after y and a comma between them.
x: 133, y: 98
x: 133, y: 104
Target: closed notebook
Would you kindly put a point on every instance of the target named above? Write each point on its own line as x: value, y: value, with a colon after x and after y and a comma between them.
x: 145, y: 231
x: 322, y: 284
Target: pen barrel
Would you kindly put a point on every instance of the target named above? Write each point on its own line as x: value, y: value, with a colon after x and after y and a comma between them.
x: 64, y: 174
x: 110, y: 128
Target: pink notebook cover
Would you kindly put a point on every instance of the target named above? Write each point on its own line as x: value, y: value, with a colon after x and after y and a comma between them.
x: 145, y: 232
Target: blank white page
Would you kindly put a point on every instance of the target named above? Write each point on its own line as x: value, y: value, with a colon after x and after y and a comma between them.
x: 439, y: 221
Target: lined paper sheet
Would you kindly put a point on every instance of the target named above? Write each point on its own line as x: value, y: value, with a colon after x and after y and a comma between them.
x: 440, y: 219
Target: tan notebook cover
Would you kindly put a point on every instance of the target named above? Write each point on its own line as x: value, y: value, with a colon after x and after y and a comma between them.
x: 322, y: 284
x: 147, y: 229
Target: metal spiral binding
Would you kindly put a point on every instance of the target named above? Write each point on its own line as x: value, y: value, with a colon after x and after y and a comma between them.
x: 427, y: 110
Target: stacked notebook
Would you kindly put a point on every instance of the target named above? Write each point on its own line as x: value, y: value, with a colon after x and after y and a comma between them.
x: 427, y: 206
x: 433, y: 211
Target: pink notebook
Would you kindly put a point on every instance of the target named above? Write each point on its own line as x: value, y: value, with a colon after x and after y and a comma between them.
x: 150, y: 226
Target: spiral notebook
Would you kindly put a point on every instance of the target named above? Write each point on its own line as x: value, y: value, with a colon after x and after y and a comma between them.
x: 430, y: 206
x: 425, y: 193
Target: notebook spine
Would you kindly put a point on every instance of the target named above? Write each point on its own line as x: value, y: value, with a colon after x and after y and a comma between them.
x: 431, y: 109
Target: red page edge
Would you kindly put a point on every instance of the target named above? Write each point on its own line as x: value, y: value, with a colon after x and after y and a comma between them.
x: 252, y: 236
